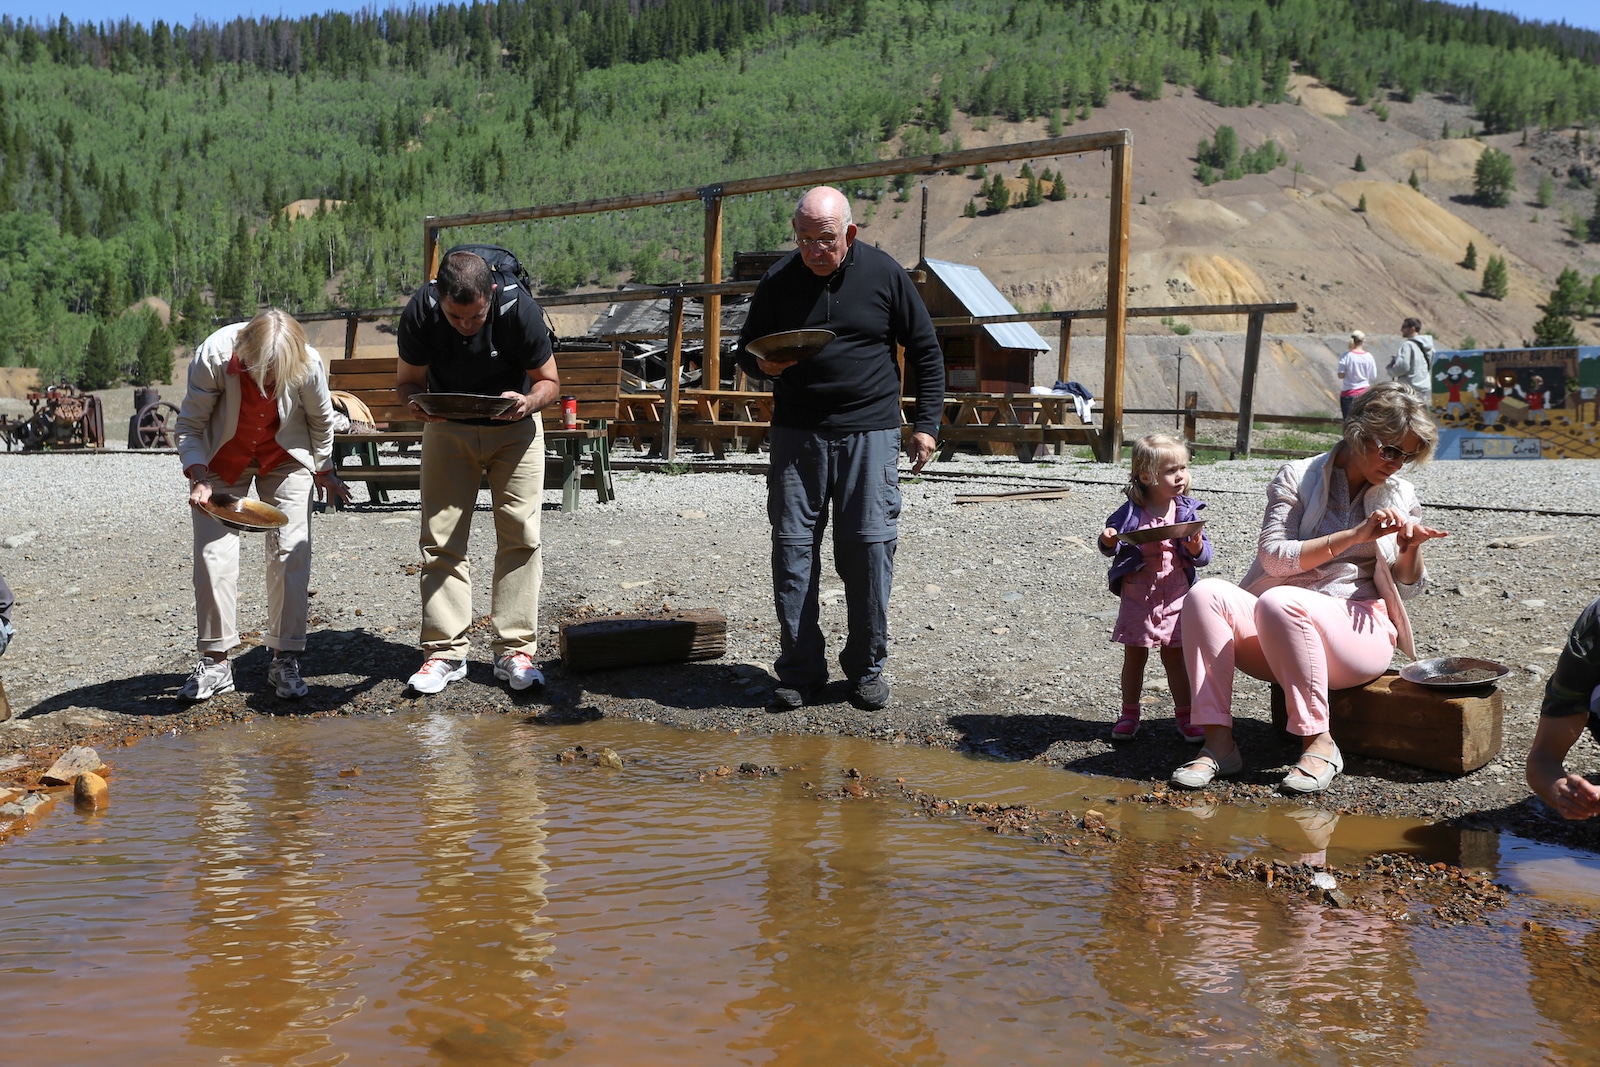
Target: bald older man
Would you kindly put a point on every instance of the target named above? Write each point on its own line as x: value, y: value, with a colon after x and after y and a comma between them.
x: 835, y: 440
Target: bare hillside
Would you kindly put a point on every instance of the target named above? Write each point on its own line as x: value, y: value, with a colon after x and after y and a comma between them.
x: 1294, y: 234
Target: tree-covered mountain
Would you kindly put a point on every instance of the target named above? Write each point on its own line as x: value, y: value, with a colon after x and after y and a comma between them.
x: 157, y: 161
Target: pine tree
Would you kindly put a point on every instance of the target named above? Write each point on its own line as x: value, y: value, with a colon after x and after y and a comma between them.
x: 153, y: 365
x: 1412, y: 181
x: 1470, y: 260
x: 1362, y: 205
x: 1361, y: 164
x: 971, y: 210
x: 1058, y: 190
x: 999, y: 194
x: 1494, y: 178
x: 1554, y: 331
x: 99, y: 369
x: 1495, y: 285
x: 1035, y: 194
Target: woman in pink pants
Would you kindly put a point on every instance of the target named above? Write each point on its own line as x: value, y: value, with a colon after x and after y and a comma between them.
x: 1322, y: 606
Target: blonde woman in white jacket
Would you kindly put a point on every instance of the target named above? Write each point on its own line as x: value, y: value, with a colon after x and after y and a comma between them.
x: 1323, y: 605
x: 257, y: 413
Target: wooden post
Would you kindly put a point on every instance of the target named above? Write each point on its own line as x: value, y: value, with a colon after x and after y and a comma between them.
x: 711, y: 350
x: 1191, y: 401
x: 922, y: 228
x: 351, y: 325
x: 430, y: 250
x: 1247, y: 384
x: 1117, y: 300
x: 671, y: 388
x: 1065, y: 360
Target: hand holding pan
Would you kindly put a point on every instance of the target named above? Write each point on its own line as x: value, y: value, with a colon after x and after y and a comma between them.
x: 243, y: 514
x: 777, y: 352
x: 1178, y: 531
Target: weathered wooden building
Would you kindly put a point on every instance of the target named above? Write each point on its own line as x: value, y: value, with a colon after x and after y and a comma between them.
x: 998, y: 358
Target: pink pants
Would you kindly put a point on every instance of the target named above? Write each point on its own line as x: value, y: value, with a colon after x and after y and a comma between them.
x: 1305, y: 641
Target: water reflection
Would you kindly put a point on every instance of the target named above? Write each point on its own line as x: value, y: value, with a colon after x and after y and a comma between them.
x: 479, y: 987
x: 437, y: 890
x: 262, y: 938
x: 830, y: 940
x: 1564, y: 983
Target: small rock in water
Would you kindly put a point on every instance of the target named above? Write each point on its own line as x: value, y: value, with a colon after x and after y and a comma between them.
x: 609, y: 758
x: 1324, y: 880
x: 90, y: 791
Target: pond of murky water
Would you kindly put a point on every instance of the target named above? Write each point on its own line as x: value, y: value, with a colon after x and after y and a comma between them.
x: 438, y: 890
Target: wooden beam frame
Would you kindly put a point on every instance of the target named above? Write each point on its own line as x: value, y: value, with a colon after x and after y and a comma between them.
x: 1118, y: 142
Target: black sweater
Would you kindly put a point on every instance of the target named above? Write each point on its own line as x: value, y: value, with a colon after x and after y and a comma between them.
x: 853, y: 384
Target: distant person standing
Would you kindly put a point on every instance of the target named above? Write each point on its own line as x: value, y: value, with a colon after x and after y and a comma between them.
x: 1357, y: 371
x: 1412, y: 365
x: 835, y: 439
x: 459, y: 335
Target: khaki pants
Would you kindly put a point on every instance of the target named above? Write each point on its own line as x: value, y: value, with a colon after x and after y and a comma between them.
x: 216, y: 564
x: 455, y: 456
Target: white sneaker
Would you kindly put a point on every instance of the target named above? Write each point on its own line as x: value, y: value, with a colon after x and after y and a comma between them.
x: 285, y: 674
x: 211, y: 677
x: 435, y: 674
x: 518, y: 669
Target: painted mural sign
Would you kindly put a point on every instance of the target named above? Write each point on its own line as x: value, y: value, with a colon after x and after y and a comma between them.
x: 1517, y: 403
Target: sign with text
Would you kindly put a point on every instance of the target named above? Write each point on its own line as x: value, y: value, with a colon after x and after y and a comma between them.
x: 1483, y: 446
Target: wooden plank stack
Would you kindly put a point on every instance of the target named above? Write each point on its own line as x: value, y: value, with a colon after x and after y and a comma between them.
x: 636, y: 640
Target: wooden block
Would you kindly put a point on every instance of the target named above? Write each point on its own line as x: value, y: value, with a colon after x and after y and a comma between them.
x: 632, y: 640
x: 1450, y: 730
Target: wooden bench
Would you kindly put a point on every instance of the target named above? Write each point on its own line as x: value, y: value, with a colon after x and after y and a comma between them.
x: 591, y: 373
x: 1450, y: 730
x: 1021, y: 422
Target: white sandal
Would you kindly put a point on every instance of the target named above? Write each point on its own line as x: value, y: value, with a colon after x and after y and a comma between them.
x: 1205, y: 768
x: 1300, y: 780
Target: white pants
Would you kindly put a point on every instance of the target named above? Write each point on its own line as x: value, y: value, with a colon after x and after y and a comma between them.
x: 216, y: 564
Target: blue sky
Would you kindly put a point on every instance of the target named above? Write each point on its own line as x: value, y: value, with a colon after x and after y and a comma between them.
x: 1584, y: 13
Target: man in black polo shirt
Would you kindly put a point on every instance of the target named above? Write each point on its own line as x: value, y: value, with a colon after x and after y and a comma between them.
x: 835, y: 439
x: 463, y: 334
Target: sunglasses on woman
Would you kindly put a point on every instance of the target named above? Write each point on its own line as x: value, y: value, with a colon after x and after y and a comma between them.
x: 1395, y: 454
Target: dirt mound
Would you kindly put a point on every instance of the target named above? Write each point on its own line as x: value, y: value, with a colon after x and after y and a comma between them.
x: 304, y: 209
x: 1318, y: 98
x: 1439, y: 161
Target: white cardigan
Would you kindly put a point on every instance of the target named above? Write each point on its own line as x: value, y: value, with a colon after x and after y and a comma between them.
x: 1308, y: 478
x: 305, y: 415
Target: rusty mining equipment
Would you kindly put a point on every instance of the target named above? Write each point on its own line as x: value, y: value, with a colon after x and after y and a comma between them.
x: 63, y: 417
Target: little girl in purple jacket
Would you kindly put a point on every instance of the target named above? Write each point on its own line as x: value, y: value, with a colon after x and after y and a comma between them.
x: 1153, y: 578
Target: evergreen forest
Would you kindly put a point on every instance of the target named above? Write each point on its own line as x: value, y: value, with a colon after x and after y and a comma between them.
x: 155, y: 160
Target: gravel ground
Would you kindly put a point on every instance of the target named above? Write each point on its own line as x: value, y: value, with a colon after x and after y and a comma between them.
x: 1000, y: 616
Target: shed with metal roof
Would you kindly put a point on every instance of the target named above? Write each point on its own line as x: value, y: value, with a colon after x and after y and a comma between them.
x: 998, y: 358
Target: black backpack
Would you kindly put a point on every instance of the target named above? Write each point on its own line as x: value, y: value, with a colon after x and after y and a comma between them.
x: 507, y: 269
x: 509, y: 273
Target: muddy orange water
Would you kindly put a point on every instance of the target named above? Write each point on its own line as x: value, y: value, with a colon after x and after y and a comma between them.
x: 250, y: 898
